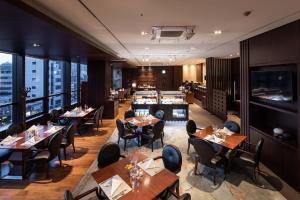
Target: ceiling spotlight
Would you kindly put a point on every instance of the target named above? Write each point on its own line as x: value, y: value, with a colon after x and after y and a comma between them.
x: 217, y: 32
x: 147, y: 59
x: 146, y: 48
x: 170, y: 59
x: 237, y: 53
x: 163, y: 71
x: 144, y: 33
x: 36, y: 45
x: 193, y: 48
x: 231, y: 55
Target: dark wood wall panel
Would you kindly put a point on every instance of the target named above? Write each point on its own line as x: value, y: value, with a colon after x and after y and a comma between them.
x: 170, y: 80
x: 218, y: 76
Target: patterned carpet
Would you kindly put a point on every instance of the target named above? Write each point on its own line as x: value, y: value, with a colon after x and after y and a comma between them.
x: 237, y: 185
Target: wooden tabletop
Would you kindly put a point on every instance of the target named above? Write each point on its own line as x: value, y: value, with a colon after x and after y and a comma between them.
x: 230, y: 142
x: 77, y: 114
x: 42, y: 133
x: 149, y: 186
x: 141, y: 121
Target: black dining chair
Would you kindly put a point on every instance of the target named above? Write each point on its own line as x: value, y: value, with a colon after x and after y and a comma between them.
x: 54, y: 117
x: 101, y: 114
x: 45, y: 156
x: 129, y: 114
x: 172, y: 159
x: 160, y: 114
x: 206, y: 156
x: 68, y: 139
x: 191, y: 128
x: 250, y: 159
x: 14, y: 129
x: 69, y: 196
x: 232, y: 126
x: 155, y: 133
x: 126, y: 133
x: 4, y: 156
x: 94, y: 121
x: 109, y: 153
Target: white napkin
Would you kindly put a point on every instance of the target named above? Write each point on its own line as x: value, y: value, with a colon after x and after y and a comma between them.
x: 209, y: 137
x: 51, y: 130
x: 9, y: 140
x: 29, y: 142
x: 76, y: 109
x: 67, y: 113
x: 217, y: 140
x: 149, y: 163
x: 89, y: 109
x: 227, y: 131
x: 115, y: 184
x: 81, y: 113
x: 33, y: 128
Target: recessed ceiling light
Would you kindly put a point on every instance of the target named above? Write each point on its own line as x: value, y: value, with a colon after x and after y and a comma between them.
x: 231, y: 55
x: 218, y: 32
x: 163, y: 71
x: 146, y: 48
x: 193, y: 48
x: 36, y: 45
x: 237, y: 53
x: 144, y: 33
x: 147, y: 59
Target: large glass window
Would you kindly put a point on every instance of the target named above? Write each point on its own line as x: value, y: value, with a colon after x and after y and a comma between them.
x: 83, y: 73
x: 34, y: 81
x: 6, y: 90
x: 56, y: 82
x: 74, y: 83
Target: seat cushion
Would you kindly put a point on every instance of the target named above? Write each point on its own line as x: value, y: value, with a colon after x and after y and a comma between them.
x: 4, y: 154
x: 41, y: 156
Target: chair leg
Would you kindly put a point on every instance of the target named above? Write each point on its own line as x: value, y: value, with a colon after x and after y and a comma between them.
x: 196, y: 166
x: 65, y: 153
x: 59, y: 159
x: 188, y: 150
x: 254, y: 174
x: 73, y: 147
x: 214, y: 173
x: 162, y: 141
x: 152, y: 146
x: 125, y: 141
x: 47, y: 171
x: 118, y: 140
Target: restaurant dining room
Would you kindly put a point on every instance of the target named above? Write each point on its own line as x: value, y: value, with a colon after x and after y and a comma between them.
x: 149, y: 100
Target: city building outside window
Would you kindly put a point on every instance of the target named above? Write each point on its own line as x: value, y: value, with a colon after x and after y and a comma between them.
x: 56, y: 70
x: 74, y: 83
x: 6, y: 90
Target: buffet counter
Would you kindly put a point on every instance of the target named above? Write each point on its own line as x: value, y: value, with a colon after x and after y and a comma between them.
x: 173, y: 103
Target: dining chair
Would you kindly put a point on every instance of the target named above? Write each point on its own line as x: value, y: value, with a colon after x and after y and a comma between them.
x: 121, y: 95
x: 14, y: 129
x: 94, y: 121
x: 101, y: 114
x: 69, y: 196
x: 251, y: 159
x: 232, y: 126
x: 206, y: 156
x: 45, y: 156
x: 4, y: 156
x: 191, y: 128
x: 109, y: 153
x: 185, y: 196
x: 68, y: 139
x: 155, y: 133
x: 126, y: 133
x: 129, y: 114
x: 160, y: 114
x: 172, y: 159
x: 55, y: 119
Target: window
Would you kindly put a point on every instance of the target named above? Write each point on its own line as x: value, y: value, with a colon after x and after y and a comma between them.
x: 74, y: 83
x: 6, y: 90
x: 83, y: 73
x: 34, y: 81
x: 56, y: 72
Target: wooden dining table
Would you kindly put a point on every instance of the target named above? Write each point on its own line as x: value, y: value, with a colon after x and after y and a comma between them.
x: 142, y: 121
x: 22, y: 149
x: 149, y: 186
x: 77, y: 115
x: 230, y: 141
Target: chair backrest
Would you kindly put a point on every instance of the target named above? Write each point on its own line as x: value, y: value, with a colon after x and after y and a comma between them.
x: 172, y: 158
x: 54, y: 145
x: 160, y: 114
x: 158, y: 129
x: 191, y: 127
x: 121, y: 94
x: 109, y: 153
x: 14, y: 129
x: 70, y: 132
x: 68, y: 195
x: 258, y: 150
x: 120, y: 127
x: 232, y: 126
x: 53, y: 115
x: 129, y: 114
x: 185, y: 196
x: 96, y: 116
x: 204, y: 150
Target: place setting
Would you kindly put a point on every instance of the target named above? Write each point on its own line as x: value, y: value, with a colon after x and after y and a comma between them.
x: 151, y: 166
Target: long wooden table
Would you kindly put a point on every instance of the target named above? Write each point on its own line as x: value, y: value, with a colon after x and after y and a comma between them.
x: 21, y: 152
x: 230, y: 142
x: 149, y: 186
x: 77, y: 114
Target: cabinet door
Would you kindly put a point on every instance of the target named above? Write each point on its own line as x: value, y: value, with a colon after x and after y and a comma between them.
x: 290, y: 172
x: 278, y: 46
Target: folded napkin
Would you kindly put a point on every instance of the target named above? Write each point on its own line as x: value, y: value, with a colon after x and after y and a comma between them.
x: 149, y: 164
x: 115, y: 184
x: 209, y: 137
x: 67, y: 113
x: 82, y: 113
x: 51, y: 130
x: 76, y: 109
x: 29, y: 142
x: 90, y: 109
x: 227, y: 131
x: 218, y: 140
x: 9, y: 140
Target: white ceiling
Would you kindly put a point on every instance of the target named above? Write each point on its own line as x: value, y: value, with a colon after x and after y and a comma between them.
x: 117, y: 25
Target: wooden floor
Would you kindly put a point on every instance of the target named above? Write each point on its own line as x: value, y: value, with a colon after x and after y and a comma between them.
x: 67, y: 176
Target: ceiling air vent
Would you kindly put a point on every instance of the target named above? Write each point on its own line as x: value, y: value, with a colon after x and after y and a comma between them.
x: 166, y: 32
